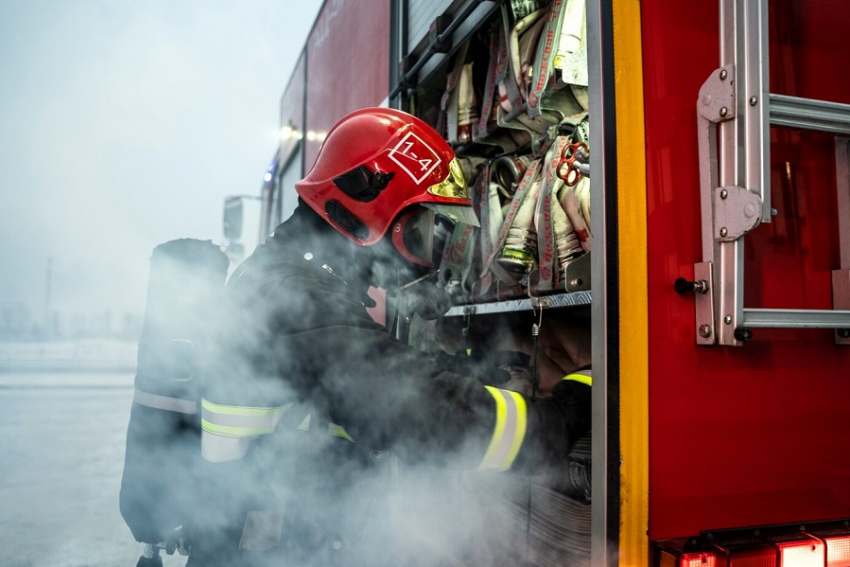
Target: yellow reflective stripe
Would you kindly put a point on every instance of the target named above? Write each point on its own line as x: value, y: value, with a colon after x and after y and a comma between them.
x: 234, y: 431
x: 522, y: 423
x: 240, y: 410
x: 586, y: 379
x: 499, y: 429
x: 305, y: 425
x: 508, y: 432
x: 339, y: 431
x: 239, y: 421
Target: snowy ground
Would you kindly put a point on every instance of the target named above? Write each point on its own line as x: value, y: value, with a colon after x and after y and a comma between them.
x: 63, y: 355
x: 61, y: 457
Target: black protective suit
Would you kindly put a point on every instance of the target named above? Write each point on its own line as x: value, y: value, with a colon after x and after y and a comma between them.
x: 298, y: 338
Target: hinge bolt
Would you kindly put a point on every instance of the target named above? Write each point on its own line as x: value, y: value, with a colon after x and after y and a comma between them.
x: 723, y: 74
x: 724, y: 193
x: 754, y: 100
x: 773, y: 212
x: 844, y: 333
x: 723, y: 232
x: 724, y: 111
x: 728, y: 319
x: 705, y: 331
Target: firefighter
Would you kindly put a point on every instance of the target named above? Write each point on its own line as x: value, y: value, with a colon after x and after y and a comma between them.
x: 308, y: 394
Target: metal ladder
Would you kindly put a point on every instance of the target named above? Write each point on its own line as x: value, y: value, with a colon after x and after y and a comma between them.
x: 735, y: 112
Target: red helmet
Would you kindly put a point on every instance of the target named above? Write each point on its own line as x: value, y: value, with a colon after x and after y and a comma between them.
x: 374, y: 163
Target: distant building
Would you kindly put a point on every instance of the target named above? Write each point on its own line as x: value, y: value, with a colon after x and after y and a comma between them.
x: 15, y: 320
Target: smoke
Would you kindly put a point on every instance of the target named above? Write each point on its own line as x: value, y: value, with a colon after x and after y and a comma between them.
x: 124, y: 125
x: 368, y: 460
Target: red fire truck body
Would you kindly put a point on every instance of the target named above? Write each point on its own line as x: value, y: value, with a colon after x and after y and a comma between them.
x: 721, y: 408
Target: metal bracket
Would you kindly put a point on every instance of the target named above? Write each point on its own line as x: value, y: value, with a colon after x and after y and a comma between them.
x: 736, y: 212
x: 717, y: 95
x: 704, y: 304
x: 716, y: 104
x: 578, y: 274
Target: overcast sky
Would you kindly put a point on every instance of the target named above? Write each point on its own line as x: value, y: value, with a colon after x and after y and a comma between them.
x: 122, y: 125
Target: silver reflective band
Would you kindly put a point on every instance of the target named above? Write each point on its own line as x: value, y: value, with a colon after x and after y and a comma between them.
x: 223, y: 449
x: 508, y: 432
x: 240, y: 421
x: 226, y: 431
x: 177, y: 405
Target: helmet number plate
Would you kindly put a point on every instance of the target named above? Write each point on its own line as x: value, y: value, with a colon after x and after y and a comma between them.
x: 415, y: 157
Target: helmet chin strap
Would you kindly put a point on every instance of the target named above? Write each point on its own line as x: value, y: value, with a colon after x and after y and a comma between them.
x: 418, y: 280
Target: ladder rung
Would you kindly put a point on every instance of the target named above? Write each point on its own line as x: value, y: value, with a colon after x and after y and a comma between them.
x: 796, y: 319
x: 809, y: 114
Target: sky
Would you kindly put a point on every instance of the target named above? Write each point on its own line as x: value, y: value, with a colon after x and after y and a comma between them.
x: 123, y: 125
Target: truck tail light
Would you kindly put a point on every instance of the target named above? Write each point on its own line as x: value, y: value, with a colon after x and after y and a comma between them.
x: 802, y: 554
x: 838, y: 551
x: 700, y: 560
x: 820, y: 544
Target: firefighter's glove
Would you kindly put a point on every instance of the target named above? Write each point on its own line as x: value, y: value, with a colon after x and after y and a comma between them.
x: 488, y: 371
x: 427, y: 300
x: 554, y: 425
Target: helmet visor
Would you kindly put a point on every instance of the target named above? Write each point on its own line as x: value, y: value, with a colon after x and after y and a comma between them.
x: 454, y: 185
x: 456, y: 213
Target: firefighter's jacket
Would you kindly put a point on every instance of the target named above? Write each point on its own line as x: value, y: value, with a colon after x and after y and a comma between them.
x: 308, y: 394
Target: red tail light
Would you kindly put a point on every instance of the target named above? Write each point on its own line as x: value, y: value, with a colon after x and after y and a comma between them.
x: 838, y: 551
x: 765, y: 557
x: 699, y: 560
x: 822, y: 544
x: 810, y: 553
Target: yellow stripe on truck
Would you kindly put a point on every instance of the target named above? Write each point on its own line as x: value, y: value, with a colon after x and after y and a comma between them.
x: 633, y: 302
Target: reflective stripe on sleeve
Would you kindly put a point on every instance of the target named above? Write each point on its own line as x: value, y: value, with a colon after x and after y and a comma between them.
x: 509, y: 431
x: 227, y: 431
x: 222, y: 449
x: 239, y: 421
x: 582, y: 376
x: 338, y: 431
x: 177, y: 405
x: 305, y: 425
x: 334, y: 430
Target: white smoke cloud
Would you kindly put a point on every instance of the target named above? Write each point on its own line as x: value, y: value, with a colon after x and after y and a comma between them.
x: 123, y: 126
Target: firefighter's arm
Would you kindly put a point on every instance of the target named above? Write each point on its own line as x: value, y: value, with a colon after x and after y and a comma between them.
x: 530, y: 434
x: 388, y: 395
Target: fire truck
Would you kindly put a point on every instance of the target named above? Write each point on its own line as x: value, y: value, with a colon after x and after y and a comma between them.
x: 696, y: 142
